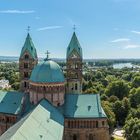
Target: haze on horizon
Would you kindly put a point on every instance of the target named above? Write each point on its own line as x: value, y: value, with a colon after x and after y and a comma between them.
x: 105, y: 29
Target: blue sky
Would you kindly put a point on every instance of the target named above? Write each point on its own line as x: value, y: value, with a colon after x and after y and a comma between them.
x: 105, y: 28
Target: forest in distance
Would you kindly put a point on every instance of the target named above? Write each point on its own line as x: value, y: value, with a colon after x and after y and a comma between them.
x: 119, y: 90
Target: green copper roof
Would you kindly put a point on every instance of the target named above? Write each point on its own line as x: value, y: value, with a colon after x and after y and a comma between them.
x: 44, y: 123
x: 74, y: 46
x: 29, y: 47
x: 11, y: 102
x: 48, y: 72
x: 83, y: 106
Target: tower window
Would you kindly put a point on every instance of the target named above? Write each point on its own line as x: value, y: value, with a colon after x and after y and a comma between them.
x: 25, y: 65
x: 76, y: 86
x: 96, y: 124
x: 90, y: 137
x: 103, y: 123
x: 76, y: 67
x: 25, y: 84
x: 26, y: 56
x: 74, y: 137
x: 26, y: 75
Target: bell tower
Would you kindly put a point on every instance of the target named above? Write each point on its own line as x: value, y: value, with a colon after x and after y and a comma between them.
x: 74, y: 66
x: 28, y: 59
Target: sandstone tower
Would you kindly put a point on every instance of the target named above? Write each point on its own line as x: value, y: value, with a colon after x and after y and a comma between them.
x: 74, y: 66
x: 28, y: 59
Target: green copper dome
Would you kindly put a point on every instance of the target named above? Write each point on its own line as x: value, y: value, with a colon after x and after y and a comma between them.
x: 74, y: 45
x: 47, y: 72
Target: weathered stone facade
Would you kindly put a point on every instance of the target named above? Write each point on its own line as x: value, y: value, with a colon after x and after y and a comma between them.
x: 74, y: 75
x: 86, y: 129
x: 6, y: 121
x: 54, y: 92
x: 26, y: 65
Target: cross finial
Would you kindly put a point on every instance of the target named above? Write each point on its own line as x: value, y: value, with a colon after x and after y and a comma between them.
x: 74, y: 28
x: 47, y: 53
x: 28, y: 29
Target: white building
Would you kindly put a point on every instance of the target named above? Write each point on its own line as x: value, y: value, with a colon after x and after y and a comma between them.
x: 4, y: 84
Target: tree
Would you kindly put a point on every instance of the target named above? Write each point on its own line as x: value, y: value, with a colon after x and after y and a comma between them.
x: 117, y: 88
x: 136, y: 81
x: 132, y: 129
x: 110, y: 114
x: 135, y: 97
x: 121, y: 110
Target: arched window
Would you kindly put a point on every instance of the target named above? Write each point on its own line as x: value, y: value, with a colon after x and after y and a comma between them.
x: 25, y: 84
x: 68, y: 124
x: 25, y: 65
x: 76, y: 86
x: 96, y: 124
x: 90, y: 137
x: 44, y: 88
x: 74, y: 137
x: 26, y: 75
x: 76, y: 66
x: 103, y: 123
x: 26, y: 56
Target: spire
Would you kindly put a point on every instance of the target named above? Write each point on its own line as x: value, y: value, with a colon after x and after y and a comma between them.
x: 29, y: 46
x: 74, y: 45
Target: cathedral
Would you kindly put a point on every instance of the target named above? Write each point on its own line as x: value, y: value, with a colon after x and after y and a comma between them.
x: 50, y: 106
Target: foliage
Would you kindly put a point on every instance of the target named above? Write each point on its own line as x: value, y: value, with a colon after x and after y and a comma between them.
x: 108, y: 110
x: 135, y: 97
x: 132, y: 129
x: 117, y: 88
x: 10, y: 71
x: 120, y: 95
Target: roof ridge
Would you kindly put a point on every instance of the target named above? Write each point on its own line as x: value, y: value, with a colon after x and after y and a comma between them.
x: 98, y: 104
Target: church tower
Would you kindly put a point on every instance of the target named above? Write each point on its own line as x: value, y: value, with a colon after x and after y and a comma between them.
x: 28, y: 59
x: 74, y: 66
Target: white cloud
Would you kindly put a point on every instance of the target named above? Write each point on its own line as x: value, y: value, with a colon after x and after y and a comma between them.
x: 136, y: 32
x: 131, y: 46
x: 17, y: 12
x: 120, y: 40
x: 49, y: 28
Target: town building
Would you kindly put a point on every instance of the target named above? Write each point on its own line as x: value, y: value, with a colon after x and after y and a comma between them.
x: 4, y: 84
x: 51, y: 106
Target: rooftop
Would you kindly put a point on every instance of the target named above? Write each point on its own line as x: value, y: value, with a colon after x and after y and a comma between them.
x: 83, y: 106
x: 11, y: 102
x: 45, y: 122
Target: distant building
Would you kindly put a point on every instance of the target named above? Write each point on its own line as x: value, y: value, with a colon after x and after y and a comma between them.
x: 55, y: 107
x: 4, y: 84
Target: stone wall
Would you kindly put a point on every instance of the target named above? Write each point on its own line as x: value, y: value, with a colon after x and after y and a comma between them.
x: 74, y: 75
x: 26, y: 65
x: 54, y: 92
x: 86, y: 129
x: 6, y: 121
